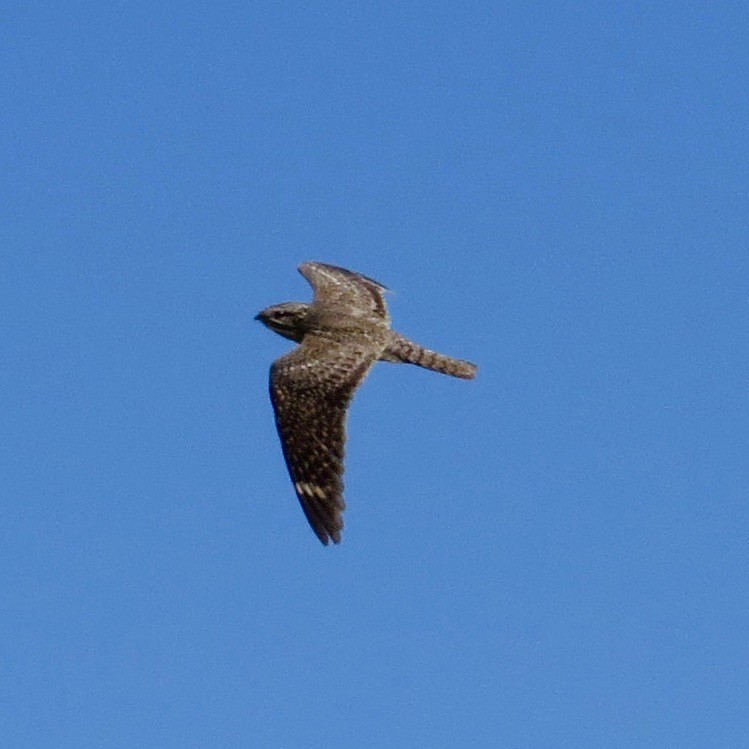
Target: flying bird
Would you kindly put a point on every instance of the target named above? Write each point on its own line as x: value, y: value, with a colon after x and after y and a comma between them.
x: 342, y: 333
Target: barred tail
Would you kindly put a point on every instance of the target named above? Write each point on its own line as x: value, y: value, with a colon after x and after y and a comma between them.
x: 400, y: 349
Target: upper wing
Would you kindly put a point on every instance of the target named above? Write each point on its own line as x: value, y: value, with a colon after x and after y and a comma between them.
x: 311, y: 389
x: 338, y: 285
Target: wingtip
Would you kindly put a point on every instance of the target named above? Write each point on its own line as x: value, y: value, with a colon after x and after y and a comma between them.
x: 312, y: 265
x: 325, y: 537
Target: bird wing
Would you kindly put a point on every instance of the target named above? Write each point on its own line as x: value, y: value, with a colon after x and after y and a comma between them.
x: 336, y: 285
x: 311, y: 389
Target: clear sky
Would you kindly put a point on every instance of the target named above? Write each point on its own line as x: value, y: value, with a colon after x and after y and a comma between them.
x: 553, y: 555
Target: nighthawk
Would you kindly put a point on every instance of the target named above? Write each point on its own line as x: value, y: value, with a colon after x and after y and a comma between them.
x: 342, y: 333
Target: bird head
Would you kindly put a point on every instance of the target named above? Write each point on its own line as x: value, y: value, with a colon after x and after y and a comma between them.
x: 285, y: 319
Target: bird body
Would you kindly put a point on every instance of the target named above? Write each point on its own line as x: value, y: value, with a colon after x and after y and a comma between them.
x: 342, y: 333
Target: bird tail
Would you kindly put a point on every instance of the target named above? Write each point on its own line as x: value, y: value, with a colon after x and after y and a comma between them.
x: 400, y: 349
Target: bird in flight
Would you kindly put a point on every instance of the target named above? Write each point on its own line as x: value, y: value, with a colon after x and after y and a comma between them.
x: 342, y: 333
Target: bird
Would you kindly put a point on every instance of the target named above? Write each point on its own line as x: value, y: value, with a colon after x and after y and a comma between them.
x: 341, y: 334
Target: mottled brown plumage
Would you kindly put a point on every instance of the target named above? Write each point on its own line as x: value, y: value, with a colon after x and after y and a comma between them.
x: 342, y: 333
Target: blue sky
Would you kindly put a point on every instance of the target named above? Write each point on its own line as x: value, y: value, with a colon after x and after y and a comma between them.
x: 553, y: 555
